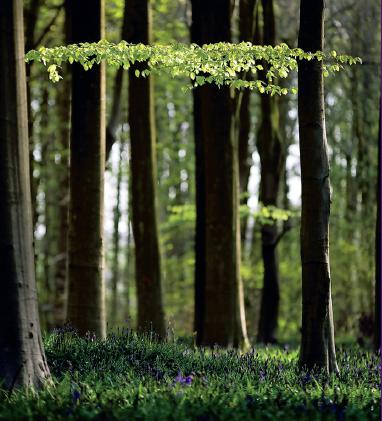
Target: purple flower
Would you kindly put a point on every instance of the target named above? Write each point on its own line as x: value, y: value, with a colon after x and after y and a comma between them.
x: 306, y: 379
x: 183, y: 380
x: 75, y: 396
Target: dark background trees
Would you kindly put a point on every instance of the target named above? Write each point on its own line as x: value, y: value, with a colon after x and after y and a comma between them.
x: 203, y: 145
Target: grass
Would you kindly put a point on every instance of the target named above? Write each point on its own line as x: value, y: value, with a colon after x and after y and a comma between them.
x: 130, y: 377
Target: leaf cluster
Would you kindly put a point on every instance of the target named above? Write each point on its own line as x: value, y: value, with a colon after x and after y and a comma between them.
x: 219, y: 63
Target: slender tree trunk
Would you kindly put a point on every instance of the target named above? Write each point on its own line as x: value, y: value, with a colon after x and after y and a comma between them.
x: 271, y: 158
x: 22, y: 359
x: 246, y: 33
x: 31, y: 17
x: 127, y: 274
x: 63, y: 105
x: 116, y: 243
x: 377, y: 298
x: 143, y: 174
x: 86, y: 308
x: 219, y: 301
x: 317, y: 340
x: 117, y: 91
x: 47, y: 186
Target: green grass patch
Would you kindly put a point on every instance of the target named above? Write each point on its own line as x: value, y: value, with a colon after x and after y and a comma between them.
x: 131, y: 377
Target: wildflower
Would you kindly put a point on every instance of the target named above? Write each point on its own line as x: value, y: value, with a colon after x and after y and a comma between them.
x: 75, y: 396
x: 183, y: 380
x: 307, y: 378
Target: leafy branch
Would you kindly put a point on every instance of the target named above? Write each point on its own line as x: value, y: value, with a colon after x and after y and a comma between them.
x: 219, y: 64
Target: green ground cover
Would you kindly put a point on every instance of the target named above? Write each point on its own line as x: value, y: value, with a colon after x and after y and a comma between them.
x: 130, y: 377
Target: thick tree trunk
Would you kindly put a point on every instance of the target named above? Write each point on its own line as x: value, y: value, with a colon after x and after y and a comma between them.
x: 143, y: 174
x: 219, y: 301
x: 86, y: 308
x: 200, y: 228
x: 22, y: 359
x: 317, y: 340
x: 271, y: 158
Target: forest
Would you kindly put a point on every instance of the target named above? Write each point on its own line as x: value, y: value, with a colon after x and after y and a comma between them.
x: 190, y: 209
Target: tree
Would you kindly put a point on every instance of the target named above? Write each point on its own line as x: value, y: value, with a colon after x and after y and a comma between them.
x: 271, y: 154
x: 377, y: 296
x: 86, y: 308
x: 63, y: 105
x: 143, y: 173
x: 22, y: 359
x: 114, y: 118
x: 219, y: 302
x: 317, y: 335
x: 115, y: 271
x: 248, y: 32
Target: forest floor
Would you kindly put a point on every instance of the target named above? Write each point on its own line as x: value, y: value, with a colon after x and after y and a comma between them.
x: 130, y: 377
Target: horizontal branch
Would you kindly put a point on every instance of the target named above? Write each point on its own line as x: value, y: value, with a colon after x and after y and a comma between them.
x: 219, y: 64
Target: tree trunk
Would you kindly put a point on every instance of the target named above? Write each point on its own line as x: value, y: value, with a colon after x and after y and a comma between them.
x: 31, y: 17
x: 22, y: 359
x: 271, y: 158
x: 63, y: 105
x: 317, y: 340
x: 143, y: 175
x: 86, y: 308
x: 246, y: 33
x: 219, y: 301
x: 116, y: 242
x: 377, y: 297
x: 117, y: 91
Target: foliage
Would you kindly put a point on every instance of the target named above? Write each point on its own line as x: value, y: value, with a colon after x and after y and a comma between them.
x: 220, y: 63
x: 134, y: 377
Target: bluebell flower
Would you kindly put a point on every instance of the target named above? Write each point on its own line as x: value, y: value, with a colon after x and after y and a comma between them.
x: 76, y: 396
x: 183, y: 380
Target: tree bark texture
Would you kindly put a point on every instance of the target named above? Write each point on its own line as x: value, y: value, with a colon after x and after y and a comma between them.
x: 143, y: 179
x: 22, y: 359
x: 219, y: 301
x: 271, y: 160
x: 86, y: 296
x: 317, y: 338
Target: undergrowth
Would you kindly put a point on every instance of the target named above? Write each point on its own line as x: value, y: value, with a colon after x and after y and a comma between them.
x: 131, y: 377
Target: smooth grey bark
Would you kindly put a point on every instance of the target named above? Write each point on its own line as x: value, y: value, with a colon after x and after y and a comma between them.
x: 22, y: 359
x: 86, y: 295
x: 317, y: 335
